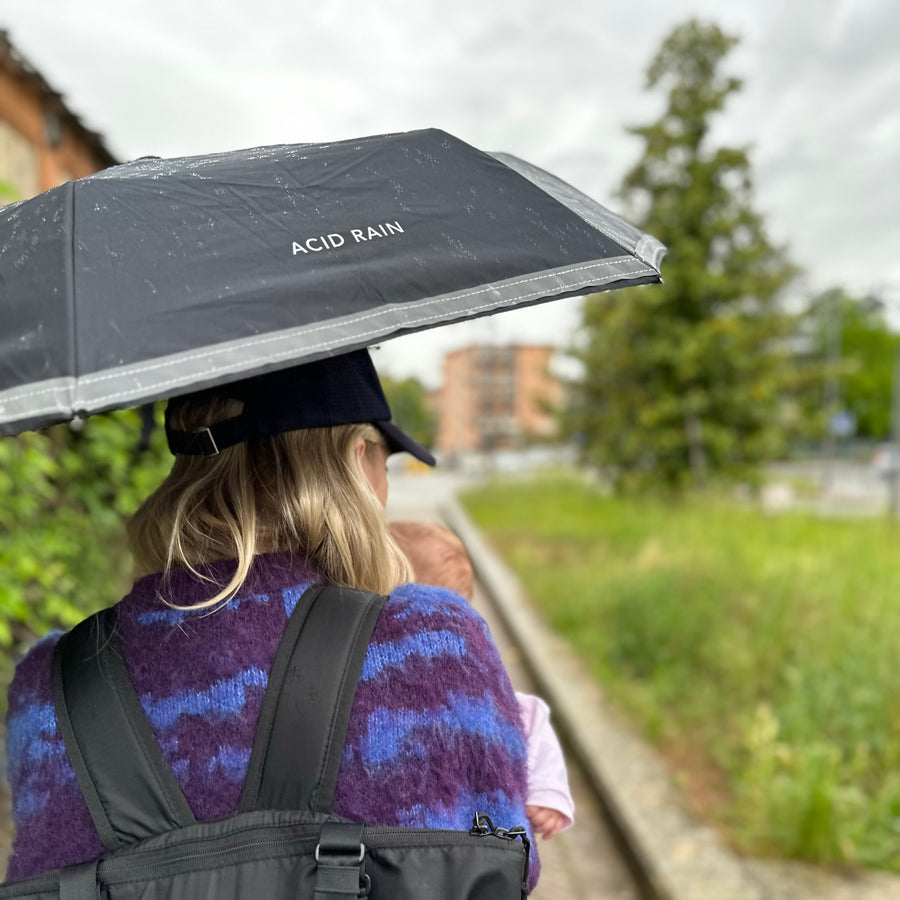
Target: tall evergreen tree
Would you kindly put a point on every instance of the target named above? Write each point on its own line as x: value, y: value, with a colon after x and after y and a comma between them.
x: 683, y: 381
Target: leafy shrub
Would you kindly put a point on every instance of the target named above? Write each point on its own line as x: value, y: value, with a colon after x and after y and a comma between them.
x: 64, y: 496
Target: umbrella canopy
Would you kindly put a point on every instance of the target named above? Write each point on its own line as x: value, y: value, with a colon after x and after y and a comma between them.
x: 159, y: 277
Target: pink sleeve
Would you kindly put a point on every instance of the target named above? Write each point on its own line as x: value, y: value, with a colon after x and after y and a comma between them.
x: 548, y: 784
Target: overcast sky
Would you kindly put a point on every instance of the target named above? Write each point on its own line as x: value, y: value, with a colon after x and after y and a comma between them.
x: 555, y: 83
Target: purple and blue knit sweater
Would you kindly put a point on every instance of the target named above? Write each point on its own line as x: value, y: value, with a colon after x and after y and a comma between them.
x: 434, y: 732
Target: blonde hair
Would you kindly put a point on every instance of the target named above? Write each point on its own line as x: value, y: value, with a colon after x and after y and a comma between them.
x: 303, y: 491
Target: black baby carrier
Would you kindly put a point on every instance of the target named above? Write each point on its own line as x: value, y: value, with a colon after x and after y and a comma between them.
x: 283, y: 842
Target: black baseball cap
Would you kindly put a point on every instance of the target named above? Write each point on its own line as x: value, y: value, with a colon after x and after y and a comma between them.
x: 337, y: 390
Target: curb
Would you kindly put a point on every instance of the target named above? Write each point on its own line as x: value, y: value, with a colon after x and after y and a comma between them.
x: 671, y: 856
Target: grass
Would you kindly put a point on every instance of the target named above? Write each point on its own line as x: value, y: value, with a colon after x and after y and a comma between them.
x: 760, y: 653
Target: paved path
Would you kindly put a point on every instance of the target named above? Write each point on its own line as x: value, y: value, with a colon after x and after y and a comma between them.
x: 583, y: 862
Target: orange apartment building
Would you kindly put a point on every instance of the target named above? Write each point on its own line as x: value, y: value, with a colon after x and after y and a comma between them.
x: 42, y: 142
x: 496, y: 398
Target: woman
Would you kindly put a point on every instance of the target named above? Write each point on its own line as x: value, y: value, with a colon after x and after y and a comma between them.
x: 279, y: 482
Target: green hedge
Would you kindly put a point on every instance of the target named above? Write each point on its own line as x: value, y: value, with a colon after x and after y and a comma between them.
x: 64, y: 496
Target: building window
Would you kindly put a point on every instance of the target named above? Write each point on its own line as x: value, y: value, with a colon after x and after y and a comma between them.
x: 53, y: 129
x: 18, y: 165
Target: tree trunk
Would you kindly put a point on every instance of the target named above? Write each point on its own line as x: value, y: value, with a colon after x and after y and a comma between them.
x: 693, y: 430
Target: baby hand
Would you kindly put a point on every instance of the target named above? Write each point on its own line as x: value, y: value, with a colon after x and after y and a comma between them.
x: 545, y: 821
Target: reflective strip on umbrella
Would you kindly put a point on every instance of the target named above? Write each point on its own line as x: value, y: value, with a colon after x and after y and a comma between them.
x: 158, y: 277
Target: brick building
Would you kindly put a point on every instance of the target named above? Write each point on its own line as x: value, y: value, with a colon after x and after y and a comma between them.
x: 42, y: 142
x: 496, y: 398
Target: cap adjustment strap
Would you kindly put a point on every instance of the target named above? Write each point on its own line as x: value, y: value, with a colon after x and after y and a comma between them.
x: 209, y: 441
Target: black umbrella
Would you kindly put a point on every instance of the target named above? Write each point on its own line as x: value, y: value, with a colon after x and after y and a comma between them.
x: 157, y: 277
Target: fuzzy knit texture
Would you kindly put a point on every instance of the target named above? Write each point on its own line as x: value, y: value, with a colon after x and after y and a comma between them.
x: 434, y: 733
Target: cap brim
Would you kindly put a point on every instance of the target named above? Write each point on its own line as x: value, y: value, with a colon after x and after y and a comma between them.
x: 400, y: 442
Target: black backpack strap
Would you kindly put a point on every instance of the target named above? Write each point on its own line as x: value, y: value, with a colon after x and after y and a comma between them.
x: 128, y: 786
x: 303, y: 722
x: 79, y: 882
x: 341, y: 862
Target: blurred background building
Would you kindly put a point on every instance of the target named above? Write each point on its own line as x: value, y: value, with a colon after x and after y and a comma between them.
x: 42, y: 142
x: 496, y: 398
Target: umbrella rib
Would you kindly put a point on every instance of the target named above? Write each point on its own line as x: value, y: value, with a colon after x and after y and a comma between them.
x: 69, y: 264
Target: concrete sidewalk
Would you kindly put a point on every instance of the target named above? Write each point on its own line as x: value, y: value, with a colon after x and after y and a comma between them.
x: 584, y: 862
x: 676, y: 857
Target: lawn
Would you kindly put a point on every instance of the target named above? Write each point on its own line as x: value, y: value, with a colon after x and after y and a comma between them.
x: 759, y: 652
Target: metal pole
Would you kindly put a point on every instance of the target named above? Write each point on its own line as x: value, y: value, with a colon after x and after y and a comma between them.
x: 893, y: 471
x: 831, y: 388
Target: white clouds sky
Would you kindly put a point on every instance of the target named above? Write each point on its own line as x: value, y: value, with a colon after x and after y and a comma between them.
x: 554, y: 83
